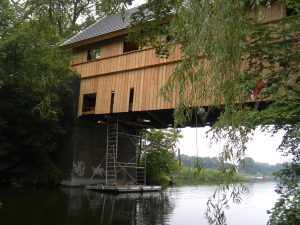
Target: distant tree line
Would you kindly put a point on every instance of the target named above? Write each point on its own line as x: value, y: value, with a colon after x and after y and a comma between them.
x: 247, y: 165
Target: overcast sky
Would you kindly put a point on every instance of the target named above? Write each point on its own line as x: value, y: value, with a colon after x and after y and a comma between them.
x: 262, y: 148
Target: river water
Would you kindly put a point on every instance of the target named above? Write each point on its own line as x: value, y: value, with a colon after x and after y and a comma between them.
x: 184, y: 205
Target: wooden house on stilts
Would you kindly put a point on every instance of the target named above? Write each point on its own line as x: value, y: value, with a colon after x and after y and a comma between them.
x: 119, y: 97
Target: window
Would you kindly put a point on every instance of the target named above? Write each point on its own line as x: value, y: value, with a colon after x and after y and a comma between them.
x: 290, y: 12
x: 93, y: 54
x: 112, y: 99
x: 131, y: 94
x: 89, y: 102
x: 129, y: 46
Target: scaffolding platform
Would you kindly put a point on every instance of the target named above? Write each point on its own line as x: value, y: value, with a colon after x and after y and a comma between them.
x: 123, y: 188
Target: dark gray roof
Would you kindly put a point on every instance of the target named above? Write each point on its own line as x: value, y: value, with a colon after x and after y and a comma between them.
x: 106, y: 25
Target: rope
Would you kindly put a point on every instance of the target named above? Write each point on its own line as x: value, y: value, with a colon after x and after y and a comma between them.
x: 197, y: 166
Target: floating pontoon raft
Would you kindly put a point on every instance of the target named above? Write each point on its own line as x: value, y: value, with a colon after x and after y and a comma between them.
x: 123, y: 188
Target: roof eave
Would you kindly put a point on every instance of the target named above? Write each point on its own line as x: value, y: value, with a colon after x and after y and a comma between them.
x: 96, y: 39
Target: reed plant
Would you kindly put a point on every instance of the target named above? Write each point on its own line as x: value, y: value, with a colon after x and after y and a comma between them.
x: 209, y: 175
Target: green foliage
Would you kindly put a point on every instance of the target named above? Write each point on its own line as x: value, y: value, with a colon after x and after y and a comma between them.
x: 246, y: 166
x: 287, y: 207
x: 220, y: 201
x: 249, y: 166
x: 67, y: 16
x: 161, y: 161
x: 34, y: 78
x: 206, y: 162
x: 208, y: 176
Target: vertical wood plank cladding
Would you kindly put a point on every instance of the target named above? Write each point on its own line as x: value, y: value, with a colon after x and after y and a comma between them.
x: 78, y: 56
x: 102, y: 90
x: 153, y: 93
x: 131, y: 60
x: 161, y: 83
x: 173, y: 102
x: 117, y: 93
x: 111, y: 47
x: 137, y: 91
x: 143, y: 91
x: 142, y: 70
x: 125, y: 93
x: 146, y: 84
x: 130, y: 78
x: 79, y: 113
x: 113, y: 88
x: 99, y: 100
x: 149, y: 86
x: 158, y: 98
x: 175, y: 96
x: 162, y: 69
x: 110, y: 87
x: 112, y: 58
x: 149, y: 93
x: 136, y: 87
x: 123, y: 90
x: 146, y: 90
x: 168, y: 73
x: 154, y: 88
x: 106, y: 92
x: 166, y: 103
x: 86, y: 87
x: 275, y: 12
x: 120, y: 94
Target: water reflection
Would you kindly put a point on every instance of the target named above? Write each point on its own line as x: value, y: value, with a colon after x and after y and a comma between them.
x: 133, y: 208
x: 220, y: 200
x: 190, y: 205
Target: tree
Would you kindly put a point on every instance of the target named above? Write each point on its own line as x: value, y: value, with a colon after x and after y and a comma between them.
x: 287, y: 208
x: 225, y: 55
x: 34, y: 79
x: 161, y: 160
x: 68, y: 17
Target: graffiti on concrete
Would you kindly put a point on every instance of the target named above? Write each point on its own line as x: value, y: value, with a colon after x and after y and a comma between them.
x: 98, y: 171
x: 78, y: 168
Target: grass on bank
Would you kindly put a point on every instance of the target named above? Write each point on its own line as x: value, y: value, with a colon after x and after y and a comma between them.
x: 209, y: 176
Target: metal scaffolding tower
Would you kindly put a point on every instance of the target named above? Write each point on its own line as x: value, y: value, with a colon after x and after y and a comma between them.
x: 136, y: 163
x: 111, y: 153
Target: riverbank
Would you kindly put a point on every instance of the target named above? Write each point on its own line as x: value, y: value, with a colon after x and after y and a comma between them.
x: 209, y: 176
